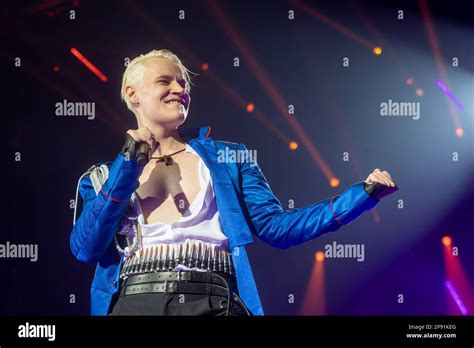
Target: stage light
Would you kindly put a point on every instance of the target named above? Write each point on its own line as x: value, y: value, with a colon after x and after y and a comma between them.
x: 319, y: 256
x: 56, y: 68
x: 293, y: 145
x: 459, y: 132
x: 314, y: 300
x: 435, y: 47
x: 89, y: 65
x: 250, y: 107
x: 420, y: 92
x: 456, y: 297
x: 409, y: 81
x: 334, y: 182
x: 450, y: 94
x: 265, y: 80
x: 205, y: 66
x: 446, y: 240
x: 377, y: 50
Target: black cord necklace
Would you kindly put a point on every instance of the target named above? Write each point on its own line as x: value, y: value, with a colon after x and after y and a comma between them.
x: 167, y: 158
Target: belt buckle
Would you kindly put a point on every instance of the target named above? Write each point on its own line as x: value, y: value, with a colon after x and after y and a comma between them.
x: 184, y: 276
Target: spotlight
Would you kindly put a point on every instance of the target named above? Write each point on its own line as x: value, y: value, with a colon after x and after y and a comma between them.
x: 293, y: 145
x: 446, y: 240
x: 377, y: 50
x: 409, y: 81
x: 250, y: 107
x: 334, y: 182
x: 459, y: 132
x: 205, y: 66
x: 319, y: 256
x: 420, y: 92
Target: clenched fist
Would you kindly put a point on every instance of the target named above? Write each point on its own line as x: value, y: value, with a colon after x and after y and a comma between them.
x: 382, y: 177
x: 138, y: 144
x: 143, y: 135
x: 379, y: 184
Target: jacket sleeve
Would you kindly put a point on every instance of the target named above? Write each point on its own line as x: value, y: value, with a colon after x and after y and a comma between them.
x: 283, y: 229
x: 102, y: 213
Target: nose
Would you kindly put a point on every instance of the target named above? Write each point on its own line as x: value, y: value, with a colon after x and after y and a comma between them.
x: 176, y: 88
x: 180, y: 91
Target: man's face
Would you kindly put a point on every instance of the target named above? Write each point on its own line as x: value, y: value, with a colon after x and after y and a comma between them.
x: 162, y: 95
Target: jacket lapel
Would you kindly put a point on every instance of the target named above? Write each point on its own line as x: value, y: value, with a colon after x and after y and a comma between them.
x: 234, y: 225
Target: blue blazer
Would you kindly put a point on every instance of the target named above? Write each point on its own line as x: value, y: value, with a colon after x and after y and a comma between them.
x: 246, y: 205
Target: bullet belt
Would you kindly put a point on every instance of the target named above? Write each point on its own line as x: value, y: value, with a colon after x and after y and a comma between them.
x: 193, y: 282
x: 162, y: 258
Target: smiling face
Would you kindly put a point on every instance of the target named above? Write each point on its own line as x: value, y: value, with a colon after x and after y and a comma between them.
x: 162, y: 97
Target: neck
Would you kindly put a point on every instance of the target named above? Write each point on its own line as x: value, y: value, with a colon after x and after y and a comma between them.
x: 169, y: 139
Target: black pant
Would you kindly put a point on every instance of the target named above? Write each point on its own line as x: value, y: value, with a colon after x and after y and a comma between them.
x: 177, y: 304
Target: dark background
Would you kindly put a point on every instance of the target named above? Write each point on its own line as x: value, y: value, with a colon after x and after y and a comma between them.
x: 337, y: 107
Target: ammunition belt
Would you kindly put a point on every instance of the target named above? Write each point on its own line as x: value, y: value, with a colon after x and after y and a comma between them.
x: 166, y: 257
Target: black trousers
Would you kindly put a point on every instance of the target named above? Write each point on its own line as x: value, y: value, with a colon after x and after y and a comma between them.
x: 177, y: 304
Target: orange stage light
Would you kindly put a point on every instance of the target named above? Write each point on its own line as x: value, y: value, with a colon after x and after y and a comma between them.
x: 334, y: 182
x: 293, y: 145
x: 459, y: 132
x: 446, y: 240
x: 319, y: 256
x: 377, y: 50
x: 205, y: 66
x: 250, y: 107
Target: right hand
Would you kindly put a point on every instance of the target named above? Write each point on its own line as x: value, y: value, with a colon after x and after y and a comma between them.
x: 143, y: 135
x: 139, y: 144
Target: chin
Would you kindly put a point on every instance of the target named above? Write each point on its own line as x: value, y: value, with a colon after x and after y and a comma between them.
x: 175, y: 120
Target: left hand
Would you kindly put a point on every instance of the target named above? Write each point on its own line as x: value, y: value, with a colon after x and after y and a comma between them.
x: 382, y: 177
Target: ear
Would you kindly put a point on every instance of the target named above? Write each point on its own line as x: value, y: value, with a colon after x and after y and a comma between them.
x: 132, y: 96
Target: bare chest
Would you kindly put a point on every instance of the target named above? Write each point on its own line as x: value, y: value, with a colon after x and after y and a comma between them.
x: 166, y: 192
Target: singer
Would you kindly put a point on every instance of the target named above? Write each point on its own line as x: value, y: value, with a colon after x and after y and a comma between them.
x: 167, y: 223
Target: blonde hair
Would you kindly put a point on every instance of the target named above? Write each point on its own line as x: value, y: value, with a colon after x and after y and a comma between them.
x: 133, y: 74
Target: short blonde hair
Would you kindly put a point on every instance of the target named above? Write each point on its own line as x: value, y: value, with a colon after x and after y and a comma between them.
x: 133, y: 74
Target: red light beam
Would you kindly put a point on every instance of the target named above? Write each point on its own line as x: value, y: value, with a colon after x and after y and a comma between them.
x: 89, y: 65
